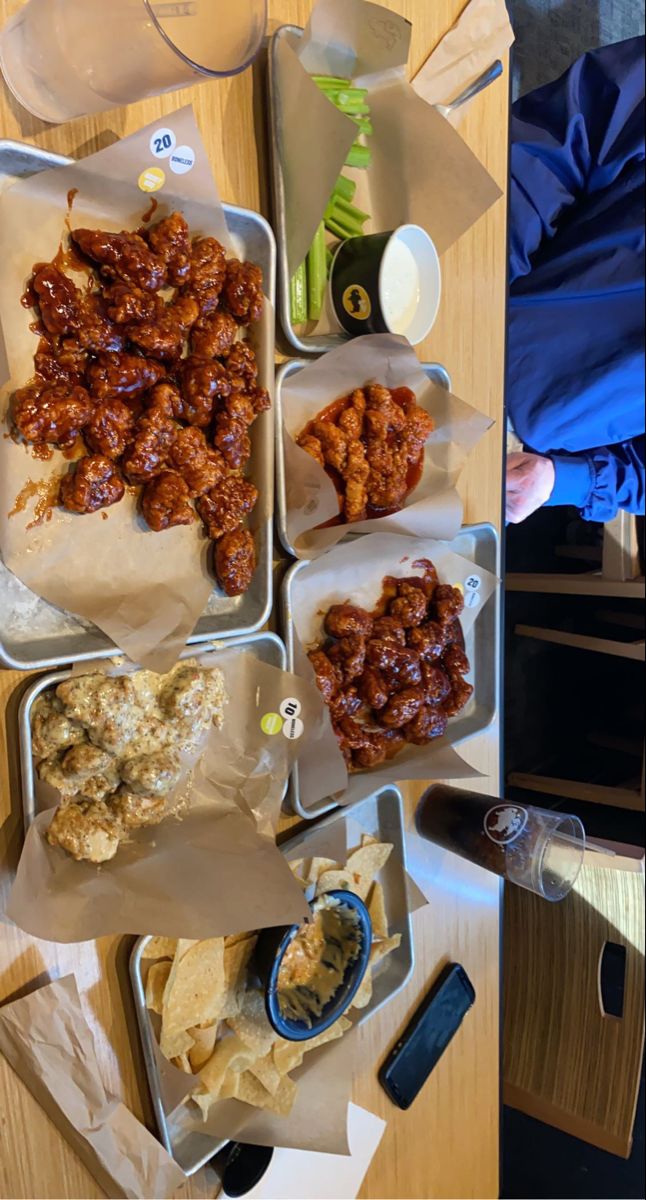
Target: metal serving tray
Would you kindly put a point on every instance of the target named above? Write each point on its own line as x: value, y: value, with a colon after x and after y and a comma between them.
x: 35, y: 634
x: 267, y: 647
x: 304, y: 343
x: 380, y: 815
x: 480, y: 544
x: 435, y: 372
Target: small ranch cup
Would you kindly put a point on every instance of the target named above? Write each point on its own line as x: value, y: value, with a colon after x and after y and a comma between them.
x: 387, y: 283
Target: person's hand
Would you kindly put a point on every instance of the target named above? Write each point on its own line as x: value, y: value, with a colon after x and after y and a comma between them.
x: 530, y: 482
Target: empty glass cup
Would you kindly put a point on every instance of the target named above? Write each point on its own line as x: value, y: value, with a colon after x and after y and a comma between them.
x: 67, y: 58
x: 536, y: 848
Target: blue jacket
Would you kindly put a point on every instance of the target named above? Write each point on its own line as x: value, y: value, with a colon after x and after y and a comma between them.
x: 575, y: 380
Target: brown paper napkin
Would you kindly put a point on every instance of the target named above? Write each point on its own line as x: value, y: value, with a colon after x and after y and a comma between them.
x: 481, y: 34
x: 47, y: 1041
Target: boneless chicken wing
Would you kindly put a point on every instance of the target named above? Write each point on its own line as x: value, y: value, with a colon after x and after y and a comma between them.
x: 225, y: 506
x: 213, y: 336
x: 58, y: 299
x: 125, y: 375
x: 54, y: 414
x: 235, y: 561
x: 152, y: 774
x: 93, y: 483
x: 207, y: 273
x: 87, y: 830
x: 135, y: 812
x: 344, y: 619
x: 243, y: 291
x: 123, y: 256
x: 110, y: 428
x: 148, y: 452
x: 202, y: 382
x: 165, y: 502
x: 171, y: 241
x: 232, y: 440
x: 327, y: 675
x: 200, y: 467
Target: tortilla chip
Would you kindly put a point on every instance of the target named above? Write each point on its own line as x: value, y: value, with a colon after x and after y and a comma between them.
x: 332, y: 881
x: 250, y: 1091
x: 329, y: 1035
x: 182, y: 945
x: 377, y: 911
x: 296, y: 865
x: 318, y: 866
x: 364, y: 863
x: 267, y: 1073
x: 156, y: 980
x: 233, y: 938
x: 236, y: 959
x: 193, y: 991
x: 251, y: 1024
x: 364, y: 994
x: 160, y: 947
x: 204, y: 1038
x: 287, y: 1055
x: 283, y: 1099
x: 175, y: 1042
x: 229, y: 1054
x: 368, y: 840
x: 182, y: 1063
x: 205, y: 1100
x: 379, y: 950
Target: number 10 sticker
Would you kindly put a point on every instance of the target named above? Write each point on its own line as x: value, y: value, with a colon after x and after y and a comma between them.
x: 162, y: 143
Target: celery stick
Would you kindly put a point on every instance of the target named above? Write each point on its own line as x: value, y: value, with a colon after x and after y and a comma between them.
x: 358, y: 156
x: 316, y: 274
x: 344, y: 207
x: 330, y: 81
x: 345, y: 188
x: 298, y: 295
x: 329, y: 258
x: 363, y: 124
x: 342, y: 231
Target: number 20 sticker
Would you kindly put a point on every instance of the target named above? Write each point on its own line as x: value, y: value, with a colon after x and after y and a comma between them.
x: 162, y: 143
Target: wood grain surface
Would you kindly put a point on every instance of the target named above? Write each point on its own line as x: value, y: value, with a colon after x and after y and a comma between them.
x: 447, y: 1144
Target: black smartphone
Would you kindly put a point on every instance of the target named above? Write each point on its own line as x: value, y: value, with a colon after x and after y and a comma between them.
x: 427, y: 1035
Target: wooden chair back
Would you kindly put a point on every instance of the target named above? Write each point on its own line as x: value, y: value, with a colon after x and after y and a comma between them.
x: 567, y: 1061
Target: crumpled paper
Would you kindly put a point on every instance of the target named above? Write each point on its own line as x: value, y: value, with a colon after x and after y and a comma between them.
x: 216, y: 870
x: 355, y: 570
x: 46, y: 1039
x: 481, y: 34
x: 145, y: 590
x: 422, y: 171
x: 433, y: 508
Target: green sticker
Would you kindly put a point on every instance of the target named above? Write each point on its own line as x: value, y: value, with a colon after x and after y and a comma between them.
x: 271, y: 723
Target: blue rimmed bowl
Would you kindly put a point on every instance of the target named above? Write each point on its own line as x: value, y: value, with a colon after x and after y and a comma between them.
x: 270, y: 952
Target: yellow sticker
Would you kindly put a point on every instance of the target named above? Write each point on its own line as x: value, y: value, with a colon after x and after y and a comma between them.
x: 356, y: 302
x: 151, y: 179
x: 271, y: 723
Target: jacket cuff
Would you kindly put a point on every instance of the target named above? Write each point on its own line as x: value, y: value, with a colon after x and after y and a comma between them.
x: 573, y: 480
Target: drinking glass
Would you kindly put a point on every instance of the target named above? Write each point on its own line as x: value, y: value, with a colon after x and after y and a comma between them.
x: 67, y: 58
x: 536, y: 848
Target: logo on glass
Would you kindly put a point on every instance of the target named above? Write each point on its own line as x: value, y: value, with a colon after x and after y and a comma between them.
x: 505, y: 822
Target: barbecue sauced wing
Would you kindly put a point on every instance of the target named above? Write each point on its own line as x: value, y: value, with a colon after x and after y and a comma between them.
x: 148, y: 452
x: 397, y: 675
x: 224, y: 508
x: 235, y: 561
x: 200, y: 467
x: 110, y: 428
x: 207, y: 273
x: 55, y: 414
x: 58, y: 299
x: 124, y: 256
x: 202, y: 383
x: 213, y: 336
x: 170, y: 239
x: 165, y: 502
x: 125, y: 375
x: 243, y: 291
x: 92, y: 483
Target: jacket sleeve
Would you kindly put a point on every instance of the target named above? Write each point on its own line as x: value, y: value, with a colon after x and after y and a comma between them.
x: 571, y: 137
x: 601, y: 481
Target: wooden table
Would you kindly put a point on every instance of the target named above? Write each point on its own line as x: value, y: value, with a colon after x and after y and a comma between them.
x: 447, y: 1144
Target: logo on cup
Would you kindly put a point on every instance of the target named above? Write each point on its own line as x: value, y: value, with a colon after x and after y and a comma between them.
x: 356, y: 302
x: 505, y: 822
